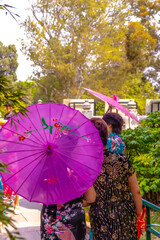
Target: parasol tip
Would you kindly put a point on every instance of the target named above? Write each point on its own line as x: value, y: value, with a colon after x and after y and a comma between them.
x: 49, y: 148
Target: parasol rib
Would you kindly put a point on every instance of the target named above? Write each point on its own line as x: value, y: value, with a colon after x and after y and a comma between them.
x: 59, y: 183
x: 40, y: 118
x: 49, y: 119
x: 67, y: 147
x: 78, y: 161
x: 78, y: 129
x: 72, y: 118
x: 80, y: 154
x: 80, y: 175
x: 30, y: 173
x: 25, y: 157
x: 21, y: 151
x: 20, y: 135
x: 59, y: 120
x: 71, y: 181
x: 19, y: 170
x: 32, y: 132
x: 37, y: 181
x: 72, y: 140
x: 21, y: 143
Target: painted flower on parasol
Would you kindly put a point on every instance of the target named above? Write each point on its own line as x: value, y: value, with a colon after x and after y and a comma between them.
x: 54, y: 155
x: 112, y: 102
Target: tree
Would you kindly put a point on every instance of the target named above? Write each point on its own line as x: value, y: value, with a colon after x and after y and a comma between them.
x: 87, y: 43
x: 75, y: 42
x: 29, y: 89
x: 147, y: 14
x: 143, y: 149
x: 140, y: 47
x: 138, y: 88
x: 7, y: 94
x: 8, y: 61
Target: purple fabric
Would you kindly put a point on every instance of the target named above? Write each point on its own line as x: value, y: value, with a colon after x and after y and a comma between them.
x: 54, y: 155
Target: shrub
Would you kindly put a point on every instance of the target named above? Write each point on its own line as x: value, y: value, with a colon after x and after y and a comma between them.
x: 143, y: 150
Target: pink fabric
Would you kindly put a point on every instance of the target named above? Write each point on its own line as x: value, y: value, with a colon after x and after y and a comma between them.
x: 112, y: 102
x: 8, y: 191
x: 65, y: 233
x: 54, y: 154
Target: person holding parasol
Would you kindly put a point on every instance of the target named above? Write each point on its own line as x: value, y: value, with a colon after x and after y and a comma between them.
x: 114, y: 214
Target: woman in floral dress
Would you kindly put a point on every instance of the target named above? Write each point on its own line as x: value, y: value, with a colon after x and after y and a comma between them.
x: 114, y: 213
x: 67, y: 221
x: 114, y: 122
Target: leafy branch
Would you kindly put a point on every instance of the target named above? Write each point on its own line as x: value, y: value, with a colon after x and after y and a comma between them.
x: 4, y: 219
x: 7, y: 8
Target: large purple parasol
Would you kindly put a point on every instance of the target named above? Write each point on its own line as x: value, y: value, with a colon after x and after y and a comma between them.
x: 112, y: 102
x: 54, y: 155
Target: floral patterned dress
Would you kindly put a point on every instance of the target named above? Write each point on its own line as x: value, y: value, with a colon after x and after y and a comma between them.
x: 115, y: 143
x: 9, y: 195
x: 65, y: 221
x: 113, y: 215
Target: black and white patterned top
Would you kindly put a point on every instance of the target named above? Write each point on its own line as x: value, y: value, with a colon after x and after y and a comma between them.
x: 113, y: 215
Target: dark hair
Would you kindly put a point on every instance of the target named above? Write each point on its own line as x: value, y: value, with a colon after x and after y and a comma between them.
x: 115, y: 120
x: 102, y: 128
x: 8, y: 105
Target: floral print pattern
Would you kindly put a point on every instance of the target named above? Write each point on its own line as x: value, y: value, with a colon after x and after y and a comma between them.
x: 9, y: 195
x: 115, y: 143
x: 113, y: 215
x: 65, y: 221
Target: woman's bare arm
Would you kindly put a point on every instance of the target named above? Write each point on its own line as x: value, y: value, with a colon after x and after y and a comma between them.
x: 135, y: 190
x: 90, y: 196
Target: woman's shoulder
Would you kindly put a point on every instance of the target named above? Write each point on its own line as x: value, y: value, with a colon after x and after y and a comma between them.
x: 117, y: 161
x: 108, y: 155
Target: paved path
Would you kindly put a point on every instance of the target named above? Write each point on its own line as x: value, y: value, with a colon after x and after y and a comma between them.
x: 27, y: 222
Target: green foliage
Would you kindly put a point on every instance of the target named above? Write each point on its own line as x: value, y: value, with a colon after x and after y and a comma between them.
x: 28, y: 88
x: 78, y: 43
x: 100, y: 106
x: 8, y: 61
x: 14, y: 97
x: 93, y: 44
x: 147, y: 14
x: 143, y: 149
x: 139, y: 46
x: 139, y: 89
x: 4, y: 219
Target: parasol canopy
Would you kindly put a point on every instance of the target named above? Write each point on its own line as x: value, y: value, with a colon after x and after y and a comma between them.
x: 54, y: 155
x: 112, y: 102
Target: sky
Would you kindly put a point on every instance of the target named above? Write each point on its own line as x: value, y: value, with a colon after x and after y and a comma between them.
x: 10, y: 32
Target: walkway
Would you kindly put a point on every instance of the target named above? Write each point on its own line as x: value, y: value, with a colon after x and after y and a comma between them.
x: 27, y: 222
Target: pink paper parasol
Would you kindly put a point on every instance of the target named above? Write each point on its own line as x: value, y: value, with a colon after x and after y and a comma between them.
x: 112, y: 102
x: 54, y: 155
